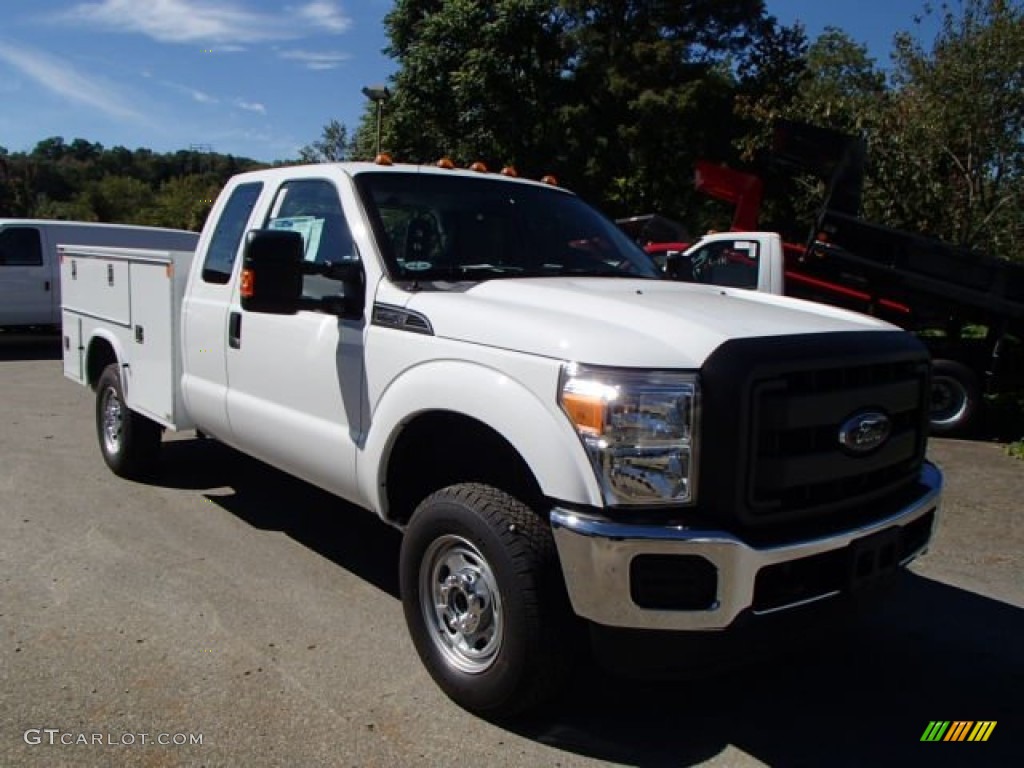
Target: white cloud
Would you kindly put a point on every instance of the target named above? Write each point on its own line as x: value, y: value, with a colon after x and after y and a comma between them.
x: 197, y: 95
x: 326, y: 15
x: 251, y: 106
x: 210, y: 22
x: 317, y: 59
x: 67, y: 81
x: 175, y: 21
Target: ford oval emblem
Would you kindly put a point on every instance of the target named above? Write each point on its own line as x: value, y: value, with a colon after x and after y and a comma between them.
x: 865, y: 432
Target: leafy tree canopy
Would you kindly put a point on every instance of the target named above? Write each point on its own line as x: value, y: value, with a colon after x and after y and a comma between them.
x: 84, y: 181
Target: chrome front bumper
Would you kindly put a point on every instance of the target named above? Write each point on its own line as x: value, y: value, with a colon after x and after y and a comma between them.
x: 596, y: 554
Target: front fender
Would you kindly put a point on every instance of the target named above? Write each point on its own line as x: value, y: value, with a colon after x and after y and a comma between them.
x: 535, y: 428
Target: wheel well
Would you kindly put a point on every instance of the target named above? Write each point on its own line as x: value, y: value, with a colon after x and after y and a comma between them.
x: 100, y: 355
x: 441, y: 448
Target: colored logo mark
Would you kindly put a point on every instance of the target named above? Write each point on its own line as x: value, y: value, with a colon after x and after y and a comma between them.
x: 958, y: 730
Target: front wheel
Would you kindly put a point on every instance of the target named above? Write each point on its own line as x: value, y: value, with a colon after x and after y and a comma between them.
x: 485, y: 602
x: 129, y: 442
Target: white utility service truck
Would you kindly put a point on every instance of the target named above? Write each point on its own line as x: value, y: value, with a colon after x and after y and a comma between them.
x: 492, y: 367
x: 29, y: 274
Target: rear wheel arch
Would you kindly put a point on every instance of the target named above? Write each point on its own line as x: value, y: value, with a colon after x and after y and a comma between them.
x: 100, y: 354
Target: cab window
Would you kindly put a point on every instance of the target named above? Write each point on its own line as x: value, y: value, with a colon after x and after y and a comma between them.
x: 227, y: 237
x: 312, y: 208
x: 20, y: 247
x: 730, y: 263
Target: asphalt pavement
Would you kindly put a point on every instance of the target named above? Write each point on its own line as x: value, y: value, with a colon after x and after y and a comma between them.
x: 228, y: 615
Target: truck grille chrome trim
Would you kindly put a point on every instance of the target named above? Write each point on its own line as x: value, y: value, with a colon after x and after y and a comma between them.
x: 596, y: 553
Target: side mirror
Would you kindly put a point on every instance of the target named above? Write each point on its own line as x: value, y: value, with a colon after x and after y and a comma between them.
x: 679, y: 266
x: 272, y: 269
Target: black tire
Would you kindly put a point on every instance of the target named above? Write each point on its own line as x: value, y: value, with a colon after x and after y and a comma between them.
x: 130, y: 443
x: 955, y: 398
x: 492, y: 561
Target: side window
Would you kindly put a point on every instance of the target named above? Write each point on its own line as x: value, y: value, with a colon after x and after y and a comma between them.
x: 731, y: 263
x: 20, y: 247
x: 312, y: 208
x: 220, y: 257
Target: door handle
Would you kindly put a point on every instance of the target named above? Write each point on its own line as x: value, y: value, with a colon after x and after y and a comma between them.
x: 46, y: 286
x: 235, y: 330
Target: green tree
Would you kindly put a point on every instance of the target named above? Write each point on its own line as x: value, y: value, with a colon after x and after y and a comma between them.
x: 771, y: 77
x: 617, y: 97
x: 333, y: 145
x: 948, y: 155
x: 652, y: 91
x: 118, y: 199
x: 477, y: 81
x: 831, y: 83
x: 843, y: 87
x: 183, y: 202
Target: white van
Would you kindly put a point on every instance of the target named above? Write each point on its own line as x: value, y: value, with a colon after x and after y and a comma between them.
x: 29, y: 267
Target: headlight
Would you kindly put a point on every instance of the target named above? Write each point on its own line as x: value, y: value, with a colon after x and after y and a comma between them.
x: 639, y: 429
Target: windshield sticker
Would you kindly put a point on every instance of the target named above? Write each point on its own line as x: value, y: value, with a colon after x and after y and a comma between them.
x: 309, y: 227
x: 417, y: 266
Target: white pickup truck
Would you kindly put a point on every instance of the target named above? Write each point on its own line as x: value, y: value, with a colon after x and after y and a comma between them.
x: 489, y: 365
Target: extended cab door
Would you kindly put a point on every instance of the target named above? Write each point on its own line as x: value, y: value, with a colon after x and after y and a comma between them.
x: 205, y: 311
x: 295, y: 382
x: 27, y: 283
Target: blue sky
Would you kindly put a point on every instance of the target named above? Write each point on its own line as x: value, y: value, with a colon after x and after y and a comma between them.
x: 257, y: 78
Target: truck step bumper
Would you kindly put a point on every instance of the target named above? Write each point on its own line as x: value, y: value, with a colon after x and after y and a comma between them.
x: 678, y: 578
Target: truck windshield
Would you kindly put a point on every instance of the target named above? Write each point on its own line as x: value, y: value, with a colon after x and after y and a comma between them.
x: 453, y: 228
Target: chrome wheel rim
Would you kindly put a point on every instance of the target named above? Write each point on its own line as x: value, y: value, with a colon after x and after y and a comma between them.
x: 113, y: 420
x: 461, y: 604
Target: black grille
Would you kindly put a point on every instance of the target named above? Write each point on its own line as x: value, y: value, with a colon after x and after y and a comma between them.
x: 781, y: 403
x: 799, y: 463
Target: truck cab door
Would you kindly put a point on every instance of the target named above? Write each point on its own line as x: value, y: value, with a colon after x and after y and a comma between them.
x: 27, y: 283
x: 205, y: 323
x: 295, y: 382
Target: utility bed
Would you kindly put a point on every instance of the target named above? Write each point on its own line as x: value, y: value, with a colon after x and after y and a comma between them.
x: 132, y: 297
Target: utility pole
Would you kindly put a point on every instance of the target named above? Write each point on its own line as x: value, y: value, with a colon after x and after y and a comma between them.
x: 378, y: 94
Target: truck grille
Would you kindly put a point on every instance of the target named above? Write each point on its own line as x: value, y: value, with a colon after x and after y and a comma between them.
x: 794, y: 395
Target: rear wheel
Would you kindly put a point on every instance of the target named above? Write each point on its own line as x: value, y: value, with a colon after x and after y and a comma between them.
x: 485, y: 602
x: 955, y: 397
x: 129, y: 442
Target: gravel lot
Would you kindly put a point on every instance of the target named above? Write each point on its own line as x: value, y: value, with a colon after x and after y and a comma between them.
x: 229, y: 602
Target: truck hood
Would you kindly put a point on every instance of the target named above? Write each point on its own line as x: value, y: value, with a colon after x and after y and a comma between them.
x: 621, y: 321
